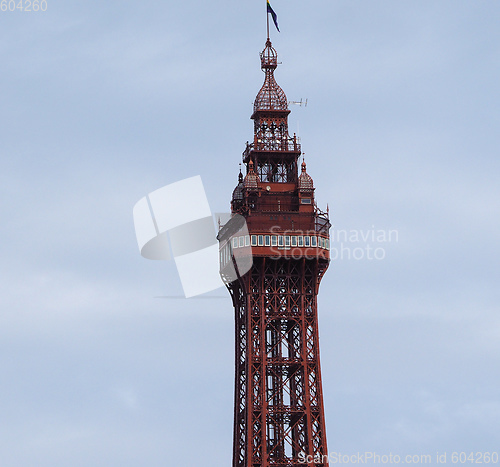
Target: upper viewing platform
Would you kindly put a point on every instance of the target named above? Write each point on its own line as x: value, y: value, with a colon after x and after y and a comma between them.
x: 282, y: 143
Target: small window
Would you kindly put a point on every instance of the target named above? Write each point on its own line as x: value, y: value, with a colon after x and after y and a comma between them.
x: 261, y: 240
x: 300, y: 241
x: 280, y: 240
x: 306, y: 241
x: 242, y: 242
x: 235, y: 242
x: 305, y: 200
x: 313, y: 241
x: 294, y: 241
x: 274, y: 240
x: 247, y: 240
x: 287, y: 241
x: 327, y: 243
x: 254, y: 240
x: 267, y: 240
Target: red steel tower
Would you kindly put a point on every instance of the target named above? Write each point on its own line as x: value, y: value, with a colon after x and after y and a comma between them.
x: 278, y: 414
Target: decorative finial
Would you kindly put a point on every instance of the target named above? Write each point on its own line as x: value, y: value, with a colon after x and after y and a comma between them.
x: 305, y: 182
x: 251, y: 178
x: 270, y: 96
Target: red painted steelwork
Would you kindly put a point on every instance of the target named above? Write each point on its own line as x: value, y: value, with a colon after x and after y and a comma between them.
x: 278, y: 414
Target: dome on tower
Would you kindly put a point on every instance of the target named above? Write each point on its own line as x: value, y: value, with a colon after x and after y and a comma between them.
x: 251, y: 179
x: 305, y: 182
x: 270, y: 96
x: 238, y: 191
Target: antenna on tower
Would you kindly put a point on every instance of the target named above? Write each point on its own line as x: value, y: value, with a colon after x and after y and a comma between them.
x: 300, y: 103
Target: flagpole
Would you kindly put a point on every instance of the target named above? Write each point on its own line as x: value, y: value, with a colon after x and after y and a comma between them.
x: 267, y: 16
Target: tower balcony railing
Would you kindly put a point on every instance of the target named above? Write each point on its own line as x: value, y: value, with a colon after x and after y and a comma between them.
x: 284, y: 220
x: 266, y: 144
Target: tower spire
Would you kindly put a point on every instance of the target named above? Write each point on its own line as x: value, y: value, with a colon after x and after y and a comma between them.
x: 273, y: 151
x: 270, y: 96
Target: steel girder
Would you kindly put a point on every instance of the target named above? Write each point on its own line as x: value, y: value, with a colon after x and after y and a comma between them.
x: 279, y: 410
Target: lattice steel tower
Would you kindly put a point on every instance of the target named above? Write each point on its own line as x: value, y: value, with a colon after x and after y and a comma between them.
x: 279, y: 415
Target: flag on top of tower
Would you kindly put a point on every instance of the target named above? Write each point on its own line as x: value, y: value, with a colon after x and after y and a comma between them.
x: 273, y: 14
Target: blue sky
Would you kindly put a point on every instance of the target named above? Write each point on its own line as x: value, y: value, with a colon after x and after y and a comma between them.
x: 103, y: 103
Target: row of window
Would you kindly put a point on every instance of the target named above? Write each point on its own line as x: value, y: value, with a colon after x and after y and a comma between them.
x: 225, y: 254
x: 281, y: 241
